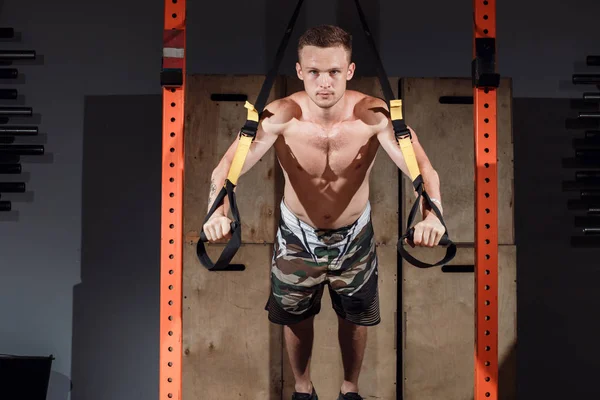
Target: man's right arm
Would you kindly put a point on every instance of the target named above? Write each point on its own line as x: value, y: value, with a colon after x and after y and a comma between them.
x: 276, y: 117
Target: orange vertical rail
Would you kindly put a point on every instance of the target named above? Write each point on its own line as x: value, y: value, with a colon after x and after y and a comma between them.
x: 171, y: 246
x: 485, y: 86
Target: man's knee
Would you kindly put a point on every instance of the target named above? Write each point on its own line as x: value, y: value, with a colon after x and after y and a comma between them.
x: 306, y: 324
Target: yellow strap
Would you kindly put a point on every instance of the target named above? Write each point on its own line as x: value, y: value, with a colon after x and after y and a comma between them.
x: 252, y: 113
x: 409, y: 157
x: 244, y: 143
x: 396, y: 109
x: 239, y: 158
x: 405, y: 143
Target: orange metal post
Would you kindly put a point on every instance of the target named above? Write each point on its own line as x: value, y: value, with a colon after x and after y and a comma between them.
x: 171, y: 250
x: 486, y: 217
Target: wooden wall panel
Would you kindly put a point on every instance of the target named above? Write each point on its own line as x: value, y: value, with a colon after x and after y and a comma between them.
x: 230, y: 349
x: 439, y: 325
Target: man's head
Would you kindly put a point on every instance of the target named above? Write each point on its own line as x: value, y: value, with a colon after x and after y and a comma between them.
x: 325, y: 63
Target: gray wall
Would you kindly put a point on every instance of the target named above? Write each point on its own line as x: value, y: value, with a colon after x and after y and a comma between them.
x: 78, y: 257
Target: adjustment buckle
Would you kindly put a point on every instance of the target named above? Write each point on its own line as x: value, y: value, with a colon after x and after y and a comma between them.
x: 248, y: 131
x: 402, y: 133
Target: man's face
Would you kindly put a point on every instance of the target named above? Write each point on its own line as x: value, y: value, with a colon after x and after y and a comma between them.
x: 324, y: 72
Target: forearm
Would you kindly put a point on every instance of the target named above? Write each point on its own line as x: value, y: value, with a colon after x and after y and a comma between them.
x: 431, y: 181
x: 217, y: 181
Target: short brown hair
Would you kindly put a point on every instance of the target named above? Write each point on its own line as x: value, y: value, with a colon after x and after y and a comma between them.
x: 326, y: 36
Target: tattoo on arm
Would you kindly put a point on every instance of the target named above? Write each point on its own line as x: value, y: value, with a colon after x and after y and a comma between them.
x: 211, y: 195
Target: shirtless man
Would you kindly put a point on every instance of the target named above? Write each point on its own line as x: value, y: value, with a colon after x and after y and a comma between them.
x: 326, y: 139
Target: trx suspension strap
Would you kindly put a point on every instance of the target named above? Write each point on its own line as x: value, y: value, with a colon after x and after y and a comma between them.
x: 246, y: 137
x: 403, y: 136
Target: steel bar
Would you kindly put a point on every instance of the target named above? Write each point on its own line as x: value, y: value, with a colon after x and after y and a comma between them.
x: 16, y: 111
x: 9, y: 158
x: 7, y: 33
x: 591, y: 96
x: 586, y: 144
x: 5, y: 206
x: 581, y: 176
x: 571, y: 186
x: 589, y: 194
x: 589, y: 114
x: 593, y: 61
x: 8, y: 94
x: 22, y: 149
x: 17, y: 55
x: 583, y: 205
x: 586, y: 79
x: 12, y: 187
x: 18, y: 130
x: 9, y: 73
x: 10, y: 168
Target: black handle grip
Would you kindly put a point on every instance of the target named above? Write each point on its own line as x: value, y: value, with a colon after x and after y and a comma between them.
x: 203, y: 238
x: 444, y: 241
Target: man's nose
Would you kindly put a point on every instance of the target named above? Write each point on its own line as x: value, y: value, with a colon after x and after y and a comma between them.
x: 325, y: 80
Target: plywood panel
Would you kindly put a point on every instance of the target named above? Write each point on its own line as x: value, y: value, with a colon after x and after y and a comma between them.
x: 439, y: 327
x: 231, y: 350
x: 378, y: 378
x: 446, y: 133
x: 211, y: 127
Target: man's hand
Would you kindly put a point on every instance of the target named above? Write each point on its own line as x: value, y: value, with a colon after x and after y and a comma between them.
x: 217, y: 227
x: 428, y: 232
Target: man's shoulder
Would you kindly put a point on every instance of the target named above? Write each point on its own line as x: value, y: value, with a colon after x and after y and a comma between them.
x: 370, y: 109
x: 282, y: 110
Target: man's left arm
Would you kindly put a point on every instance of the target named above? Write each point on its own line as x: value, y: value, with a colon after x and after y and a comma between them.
x: 430, y: 230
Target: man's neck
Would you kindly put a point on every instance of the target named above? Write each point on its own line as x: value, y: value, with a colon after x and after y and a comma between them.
x: 328, y: 116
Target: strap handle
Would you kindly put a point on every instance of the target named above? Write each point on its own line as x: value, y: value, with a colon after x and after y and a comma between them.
x: 234, y: 242
x: 444, y: 241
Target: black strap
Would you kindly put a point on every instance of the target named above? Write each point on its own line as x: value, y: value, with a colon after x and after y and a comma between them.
x: 401, y: 131
x: 263, y: 96
x: 444, y: 241
x: 234, y: 242
x: 249, y: 129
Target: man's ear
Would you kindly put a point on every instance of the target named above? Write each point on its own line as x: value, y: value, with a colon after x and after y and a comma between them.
x: 351, y: 69
x: 299, y: 71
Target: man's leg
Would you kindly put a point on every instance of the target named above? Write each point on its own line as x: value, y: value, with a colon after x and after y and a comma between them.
x: 299, y: 342
x: 355, y: 299
x: 353, y: 341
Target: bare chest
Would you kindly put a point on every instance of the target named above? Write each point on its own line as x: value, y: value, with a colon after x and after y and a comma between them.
x: 326, y: 152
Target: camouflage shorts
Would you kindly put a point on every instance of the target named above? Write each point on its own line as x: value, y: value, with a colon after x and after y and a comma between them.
x: 306, y: 259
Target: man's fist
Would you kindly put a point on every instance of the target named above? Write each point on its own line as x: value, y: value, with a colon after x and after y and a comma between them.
x: 427, y: 233
x: 217, y: 227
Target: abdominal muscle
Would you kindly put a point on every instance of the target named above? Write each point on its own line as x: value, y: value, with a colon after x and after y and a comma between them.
x: 326, y: 184
x: 324, y: 209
